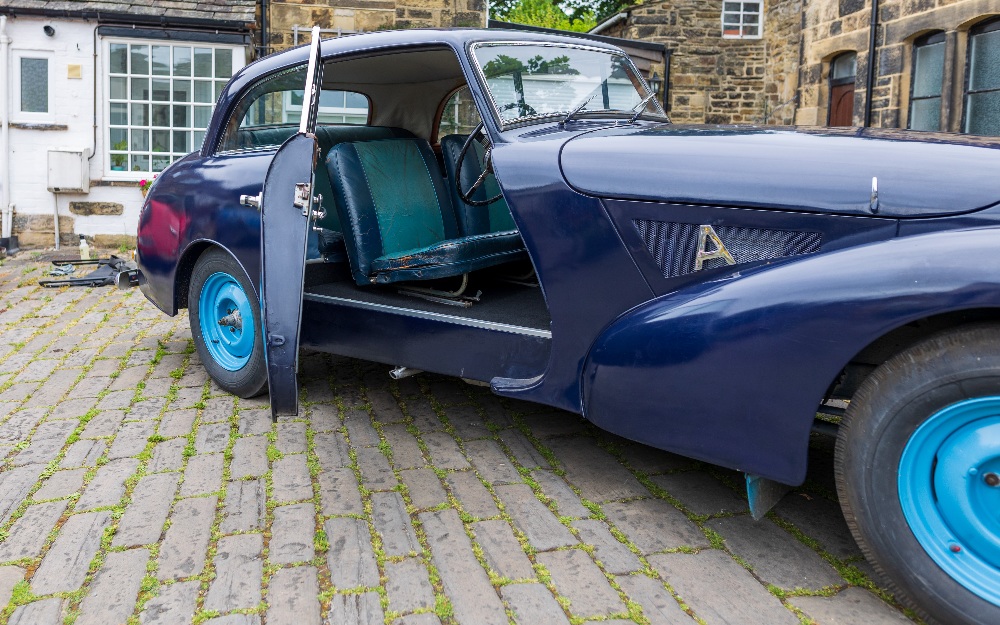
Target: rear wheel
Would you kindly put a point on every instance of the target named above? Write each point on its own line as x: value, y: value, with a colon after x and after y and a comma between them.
x: 918, y: 474
x: 225, y: 324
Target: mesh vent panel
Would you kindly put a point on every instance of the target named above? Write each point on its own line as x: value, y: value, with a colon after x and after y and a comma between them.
x: 675, y: 245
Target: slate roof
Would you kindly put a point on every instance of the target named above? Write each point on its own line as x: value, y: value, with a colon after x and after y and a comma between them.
x: 231, y: 11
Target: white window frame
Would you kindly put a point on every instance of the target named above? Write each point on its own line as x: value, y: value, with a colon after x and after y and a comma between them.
x: 238, y: 61
x: 741, y: 13
x: 17, y: 115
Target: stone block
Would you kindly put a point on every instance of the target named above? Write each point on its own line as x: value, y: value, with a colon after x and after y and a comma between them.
x: 115, y: 588
x: 185, y: 545
x: 338, y: 492
x: 26, y: 537
x: 174, y: 605
x: 658, y: 605
x: 65, y: 565
x: 292, y: 534
x: 142, y: 523
x: 654, y: 525
x: 350, y: 558
x: 616, y: 557
x: 393, y: 524
x: 293, y: 597
x: 243, y: 510
x: 502, y: 550
x: 239, y: 569
x: 542, y: 528
x: 424, y: 487
x: 533, y: 603
x: 408, y: 586
x: 577, y: 578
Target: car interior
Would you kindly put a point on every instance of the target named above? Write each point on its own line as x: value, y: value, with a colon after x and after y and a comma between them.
x: 396, y: 230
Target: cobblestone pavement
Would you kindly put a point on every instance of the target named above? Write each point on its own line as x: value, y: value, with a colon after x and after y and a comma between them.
x: 134, y: 490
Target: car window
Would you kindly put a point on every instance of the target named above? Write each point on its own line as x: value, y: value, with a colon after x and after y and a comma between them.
x: 269, y: 113
x: 459, y: 115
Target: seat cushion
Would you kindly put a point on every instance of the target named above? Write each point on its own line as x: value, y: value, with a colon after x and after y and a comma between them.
x: 449, y: 258
x: 474, y: 219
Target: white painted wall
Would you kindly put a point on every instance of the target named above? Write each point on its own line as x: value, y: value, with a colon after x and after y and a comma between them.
x: 72, y: 103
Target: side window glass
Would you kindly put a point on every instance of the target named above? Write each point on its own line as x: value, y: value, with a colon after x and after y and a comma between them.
x: 459, y: 115
x: 269, y: 113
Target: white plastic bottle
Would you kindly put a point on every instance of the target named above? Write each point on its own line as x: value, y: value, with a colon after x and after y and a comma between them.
x: 84, y: 249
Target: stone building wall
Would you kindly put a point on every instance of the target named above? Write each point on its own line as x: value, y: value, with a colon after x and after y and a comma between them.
x: 712, y: 80
x: 784, y: 77
x: 351, y: 16
x: 832, y: 27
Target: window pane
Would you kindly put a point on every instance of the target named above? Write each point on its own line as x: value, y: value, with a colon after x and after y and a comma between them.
x: 182, y: 61
x: 731, y: 7
x: 161, y: 115
x: 219, y: 86
x: 34, y: 85
x: 119, y: 88
x: 160, y: 163
x: 140, y: 162
x: 181, y: 141
x: 223, y: 63
x: 202, y: 116
x: 161, y: 140
x: 928, y: 70
x: 984, y: 61
x: 182, y: 116
x: 199, y: 137
x: 119, y: 114
x: 119, y: 137
x: 203, y: 62
x: 140, y: 114
x: 140, y: 59
x: 161, y: 60
x: 161, y: 90
x: 140, y: 140
x: 926, y: 114
x: 182, y: 91
x: 750, y: 31
x: 356, y: 101
x: 983, y: 115
x: 119, y: 58
x: 330, y: 99
x: 844, y: 66
x: 203, y: 91
x: 140, y: 88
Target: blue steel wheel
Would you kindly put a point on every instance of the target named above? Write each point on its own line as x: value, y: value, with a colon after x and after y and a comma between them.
x: 918, y: 475
x: 225, y: 323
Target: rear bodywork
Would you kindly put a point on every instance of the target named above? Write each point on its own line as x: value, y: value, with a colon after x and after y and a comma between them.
x: 722, y: 362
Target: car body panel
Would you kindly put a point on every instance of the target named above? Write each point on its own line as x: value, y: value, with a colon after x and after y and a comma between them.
x: 827, y: 170
x: 728, y: 369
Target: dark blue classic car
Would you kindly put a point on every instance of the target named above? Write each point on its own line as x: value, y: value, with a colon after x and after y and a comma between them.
x: 516, y: 209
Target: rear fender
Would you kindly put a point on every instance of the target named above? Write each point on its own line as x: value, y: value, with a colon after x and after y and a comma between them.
x: 731, y: 371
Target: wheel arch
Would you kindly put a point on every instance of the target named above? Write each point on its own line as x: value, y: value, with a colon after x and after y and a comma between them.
x: 186, y: 265
x: 899, y: 339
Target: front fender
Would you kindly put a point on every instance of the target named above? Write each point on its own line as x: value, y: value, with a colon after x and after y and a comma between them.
x: 731, y: 371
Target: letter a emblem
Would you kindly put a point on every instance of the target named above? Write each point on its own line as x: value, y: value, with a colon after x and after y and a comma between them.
x: 706, y: 236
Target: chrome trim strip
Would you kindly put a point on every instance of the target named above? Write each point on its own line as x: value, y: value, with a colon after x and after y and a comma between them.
x: 424, y: 314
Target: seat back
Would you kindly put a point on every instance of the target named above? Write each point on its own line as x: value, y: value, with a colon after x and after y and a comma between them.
x: 474, y: 220
x: 390, y: 197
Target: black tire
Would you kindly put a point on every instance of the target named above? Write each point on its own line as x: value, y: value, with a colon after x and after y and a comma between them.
x: 907, y: 391
x: 250, y: 378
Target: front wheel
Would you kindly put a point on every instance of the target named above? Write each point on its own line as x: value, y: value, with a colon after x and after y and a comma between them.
x: 918, y: 475
x: 225, y: 324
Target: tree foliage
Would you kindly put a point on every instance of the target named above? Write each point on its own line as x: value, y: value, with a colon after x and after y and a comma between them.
x: 544, y: 13
x: 575, y: 15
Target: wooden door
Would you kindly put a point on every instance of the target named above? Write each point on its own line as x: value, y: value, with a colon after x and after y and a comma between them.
x: 842, y: 105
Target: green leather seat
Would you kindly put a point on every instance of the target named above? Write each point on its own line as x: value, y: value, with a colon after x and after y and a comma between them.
x: 329, y: 242
x: 399, y: 220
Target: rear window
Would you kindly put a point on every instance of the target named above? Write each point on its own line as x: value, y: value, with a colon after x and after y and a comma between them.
x: 271, y: 110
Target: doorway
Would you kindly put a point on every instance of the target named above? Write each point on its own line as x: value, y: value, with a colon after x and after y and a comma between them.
x: 843, y: 74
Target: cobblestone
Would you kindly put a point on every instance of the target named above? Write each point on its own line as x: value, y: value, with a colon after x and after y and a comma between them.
x: 64, y: 567
x: 292, y: 534
x: 453, y: 451
x: 238, y: 571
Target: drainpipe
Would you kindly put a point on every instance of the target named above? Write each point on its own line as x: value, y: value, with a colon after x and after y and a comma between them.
x: 264, y: 10
x: 870, y: 82
x: 5, y: 206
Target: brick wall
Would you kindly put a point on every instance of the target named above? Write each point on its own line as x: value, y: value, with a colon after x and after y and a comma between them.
x: 367, y: 15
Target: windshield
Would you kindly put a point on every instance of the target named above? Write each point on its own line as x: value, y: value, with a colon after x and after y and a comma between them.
x: 528, y: 81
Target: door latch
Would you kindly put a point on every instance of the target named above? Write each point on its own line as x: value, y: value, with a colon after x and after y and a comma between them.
x: 253, y: 201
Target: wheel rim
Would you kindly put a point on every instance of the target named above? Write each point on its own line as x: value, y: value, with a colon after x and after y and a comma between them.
x: 226, y: 320
x: 949, y: 490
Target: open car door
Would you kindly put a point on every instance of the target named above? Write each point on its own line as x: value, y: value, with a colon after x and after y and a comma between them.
x: 286, y: 211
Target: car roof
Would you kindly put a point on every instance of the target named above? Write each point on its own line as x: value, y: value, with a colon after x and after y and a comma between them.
x: 457, y: 38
